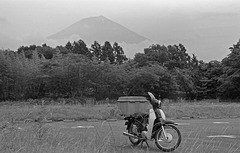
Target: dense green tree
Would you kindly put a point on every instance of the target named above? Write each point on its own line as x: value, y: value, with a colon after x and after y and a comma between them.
x: 28, y: 51
x: 171, y: 56
x: 4, y: 76
x: 142, y: 80
x: 119, y: 54
x: 185, y: 83
x: 154, y: 78
x: 62, y: 50
x: 230, y: 79
x: 18, y: 75
x: 104, y: 71
x: 107, y: 52
x: 178, y: 57
x: 46, y: 51
x: 69, y: 46
x: 167, y: 86
x: 214, y: 71
x: 96, y: 50
x: 141, y: 59
x: 157, y: 53
x: 80, y: 47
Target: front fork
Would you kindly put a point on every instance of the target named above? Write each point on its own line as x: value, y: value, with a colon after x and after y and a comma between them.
x: 164, y: 133
x: 159, y: 123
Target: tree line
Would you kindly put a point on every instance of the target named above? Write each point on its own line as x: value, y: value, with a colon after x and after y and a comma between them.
x: 103, y: 71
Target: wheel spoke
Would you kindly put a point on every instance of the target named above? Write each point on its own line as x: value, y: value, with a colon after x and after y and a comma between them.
x: 172, y: 139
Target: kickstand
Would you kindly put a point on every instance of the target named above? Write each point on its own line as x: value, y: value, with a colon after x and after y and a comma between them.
x: 145, y: 140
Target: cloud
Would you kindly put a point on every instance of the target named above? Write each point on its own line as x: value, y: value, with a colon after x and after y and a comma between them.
x: 4, y: 22
x: 13, y: 43
x: 7, y: 42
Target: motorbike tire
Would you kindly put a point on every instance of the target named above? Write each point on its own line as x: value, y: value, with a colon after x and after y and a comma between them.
x: 133, y: 130
x: 160, y: 141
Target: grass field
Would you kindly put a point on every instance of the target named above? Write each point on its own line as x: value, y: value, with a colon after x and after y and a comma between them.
x: 58, y: 112
x: 106, y: 137
x: 67, y: 137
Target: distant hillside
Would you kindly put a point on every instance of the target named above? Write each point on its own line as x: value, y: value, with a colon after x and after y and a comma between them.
x: 101, y: 29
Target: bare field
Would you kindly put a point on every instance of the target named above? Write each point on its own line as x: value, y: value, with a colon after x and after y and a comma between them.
x: 199, y: 135
x: 79, y: 112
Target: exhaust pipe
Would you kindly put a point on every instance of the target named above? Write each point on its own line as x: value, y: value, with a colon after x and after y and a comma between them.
x: 131, y: 135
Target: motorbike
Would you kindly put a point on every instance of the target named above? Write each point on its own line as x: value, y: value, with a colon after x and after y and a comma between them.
x: 153, y: 126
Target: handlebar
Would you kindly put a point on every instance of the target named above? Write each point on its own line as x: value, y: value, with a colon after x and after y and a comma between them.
x: 151, y: 95
x: 153, y: 100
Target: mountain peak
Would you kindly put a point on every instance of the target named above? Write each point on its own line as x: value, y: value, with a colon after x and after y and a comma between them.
x: 96, y: 18
x: 101, y: 29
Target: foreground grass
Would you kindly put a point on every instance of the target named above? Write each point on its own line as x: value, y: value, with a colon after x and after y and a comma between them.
x: 40, y: 137
x: 105, y: 137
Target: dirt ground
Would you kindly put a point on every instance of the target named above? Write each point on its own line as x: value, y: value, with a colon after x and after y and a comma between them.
x: 198, y: 135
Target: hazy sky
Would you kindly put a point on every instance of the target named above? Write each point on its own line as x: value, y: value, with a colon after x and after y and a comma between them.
x: 205, y: 27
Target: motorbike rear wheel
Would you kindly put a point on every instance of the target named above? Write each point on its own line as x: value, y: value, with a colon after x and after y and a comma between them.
x: 133, y: 129
x: 172, y: 139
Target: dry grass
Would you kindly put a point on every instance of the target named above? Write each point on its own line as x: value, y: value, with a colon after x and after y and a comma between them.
x: 202, y: 110
x: 35, y: 139
x: 193, y: 142
x: 58, y: 112
x: 40, y: 137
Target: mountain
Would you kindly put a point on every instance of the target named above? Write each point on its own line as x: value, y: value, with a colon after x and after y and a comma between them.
x: 100, y: 29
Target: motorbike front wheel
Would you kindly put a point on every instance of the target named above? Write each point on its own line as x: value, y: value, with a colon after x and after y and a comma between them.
x: 172, y: 139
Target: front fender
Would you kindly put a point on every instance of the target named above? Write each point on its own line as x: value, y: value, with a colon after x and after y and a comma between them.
x: 169, y: 122
x: 158, y: 123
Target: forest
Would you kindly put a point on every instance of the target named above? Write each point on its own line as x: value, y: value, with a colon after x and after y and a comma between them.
x: 103, y: 71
